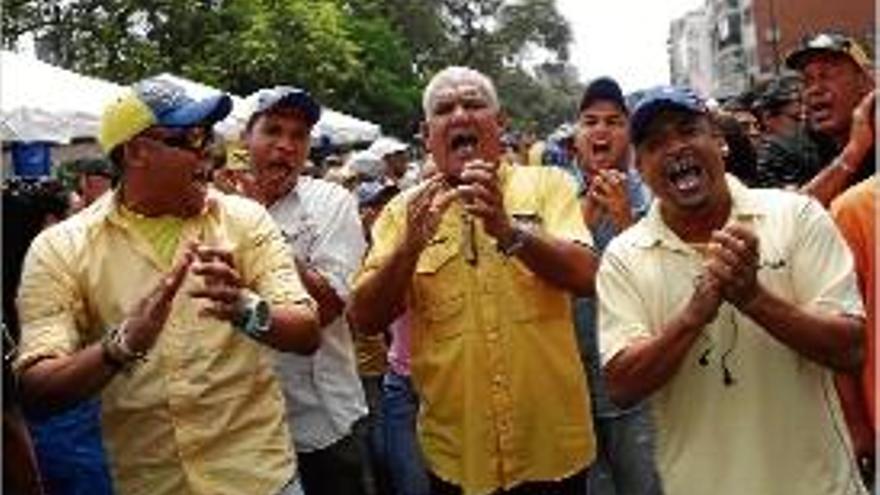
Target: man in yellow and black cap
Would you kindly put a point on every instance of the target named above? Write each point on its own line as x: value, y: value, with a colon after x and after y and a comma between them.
x: 839, y: 101
x: 164, y: 297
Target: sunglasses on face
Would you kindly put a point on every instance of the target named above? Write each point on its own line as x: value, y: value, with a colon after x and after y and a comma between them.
x: 195, y: 140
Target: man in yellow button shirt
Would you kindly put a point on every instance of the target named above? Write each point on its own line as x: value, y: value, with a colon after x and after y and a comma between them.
x: 484, y: 256
x: 163, y: 298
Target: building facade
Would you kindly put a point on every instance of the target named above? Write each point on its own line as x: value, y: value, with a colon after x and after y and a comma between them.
x: 747, y: 40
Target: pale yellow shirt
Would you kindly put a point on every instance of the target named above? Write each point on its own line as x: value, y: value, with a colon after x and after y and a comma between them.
x: 204, y: 414
x: 503, y: 394
x: 779, y: 428
x: 163, y: 233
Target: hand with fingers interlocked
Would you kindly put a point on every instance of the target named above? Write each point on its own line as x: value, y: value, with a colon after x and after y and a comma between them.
x: 482, y: 198
x: 733, y: 261
x: 142, y: 325
x: 222, y: 287
x: 608, y: 190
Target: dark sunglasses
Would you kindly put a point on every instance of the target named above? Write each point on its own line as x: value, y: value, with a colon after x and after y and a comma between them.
x: 196, y: 140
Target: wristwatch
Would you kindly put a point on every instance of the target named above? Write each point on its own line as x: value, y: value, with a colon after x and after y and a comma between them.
x: 516, y: 241
x: 116, y: 352
x: 254, y: 317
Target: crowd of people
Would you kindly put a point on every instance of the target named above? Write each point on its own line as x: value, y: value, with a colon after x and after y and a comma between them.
x: 667, y: 295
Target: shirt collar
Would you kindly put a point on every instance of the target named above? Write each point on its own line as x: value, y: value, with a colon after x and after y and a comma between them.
x: 109, y: 207
x: 745, y: 207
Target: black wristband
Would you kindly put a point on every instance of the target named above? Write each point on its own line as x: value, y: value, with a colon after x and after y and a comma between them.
x: 515, y: 243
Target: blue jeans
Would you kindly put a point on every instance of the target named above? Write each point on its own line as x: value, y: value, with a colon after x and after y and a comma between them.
x: 624, y: 456
x: 70, y: 451
x: 400, y: 407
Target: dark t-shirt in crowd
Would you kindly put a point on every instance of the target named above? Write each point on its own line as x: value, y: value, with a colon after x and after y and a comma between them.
x: 791, y: 159
x: 794, y: 159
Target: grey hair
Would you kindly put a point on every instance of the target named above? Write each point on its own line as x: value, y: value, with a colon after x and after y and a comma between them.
x: 455, y: 76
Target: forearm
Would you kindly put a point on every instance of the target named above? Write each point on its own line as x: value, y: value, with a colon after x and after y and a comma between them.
x: 565, y: 264
x: 380, y: 297
x: 294, y: 328
x: 834, y: 178
x: 855, y: 412
x: 647, y: 365
x: 330, y: 305
x: 835, y: 341
x: 56, y: 383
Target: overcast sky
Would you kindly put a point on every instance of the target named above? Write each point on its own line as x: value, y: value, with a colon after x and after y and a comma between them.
x: 625, y: 39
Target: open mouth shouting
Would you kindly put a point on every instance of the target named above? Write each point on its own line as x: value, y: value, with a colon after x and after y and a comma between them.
x: 820, y: 112
x: 600, y: 151
x: 463, y: 144
x: 686, y: 178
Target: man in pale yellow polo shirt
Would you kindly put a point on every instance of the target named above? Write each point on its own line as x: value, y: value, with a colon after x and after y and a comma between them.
x: 163, y: 297
x: 728, y: 308
x: 483, y: 256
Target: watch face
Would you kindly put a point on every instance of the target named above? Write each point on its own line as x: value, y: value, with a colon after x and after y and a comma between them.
x: 255, y: 318
x: 261, y: 316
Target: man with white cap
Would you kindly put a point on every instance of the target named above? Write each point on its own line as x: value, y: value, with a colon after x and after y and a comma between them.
x: 393, y: 154
x: 320, y: 221
x: 164, y: 297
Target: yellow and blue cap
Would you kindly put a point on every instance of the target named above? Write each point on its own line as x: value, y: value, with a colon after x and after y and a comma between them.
x: 157, y: 102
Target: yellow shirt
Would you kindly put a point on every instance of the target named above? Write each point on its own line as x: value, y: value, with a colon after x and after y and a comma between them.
x: 163, y: 233
x: 778, y: 428
x: 494, y: 358
x: 204, y: 414
x: 372, y: 354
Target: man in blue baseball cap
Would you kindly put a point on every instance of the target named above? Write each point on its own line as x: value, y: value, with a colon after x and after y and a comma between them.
x: 165, y: 297
x: 728, y: 309
x: 324, y: 396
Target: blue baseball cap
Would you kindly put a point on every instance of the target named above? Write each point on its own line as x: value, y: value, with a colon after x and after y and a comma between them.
x: 157, y: 102
x: 660, y: 98
x: 286, y: 97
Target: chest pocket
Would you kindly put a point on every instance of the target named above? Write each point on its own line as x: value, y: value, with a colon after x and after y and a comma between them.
x: 439, y: 290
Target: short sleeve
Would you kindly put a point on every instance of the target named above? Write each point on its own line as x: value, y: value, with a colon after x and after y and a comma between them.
x: 562, y: 212
x: 49, y: 300
x: 622, y: 311
x: 823, y: 265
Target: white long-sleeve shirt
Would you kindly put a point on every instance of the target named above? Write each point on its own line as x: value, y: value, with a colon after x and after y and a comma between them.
x: 320, y: 222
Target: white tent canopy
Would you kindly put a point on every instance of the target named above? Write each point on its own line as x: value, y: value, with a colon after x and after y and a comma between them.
x: 41, y: 102
x: 337, y: 126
